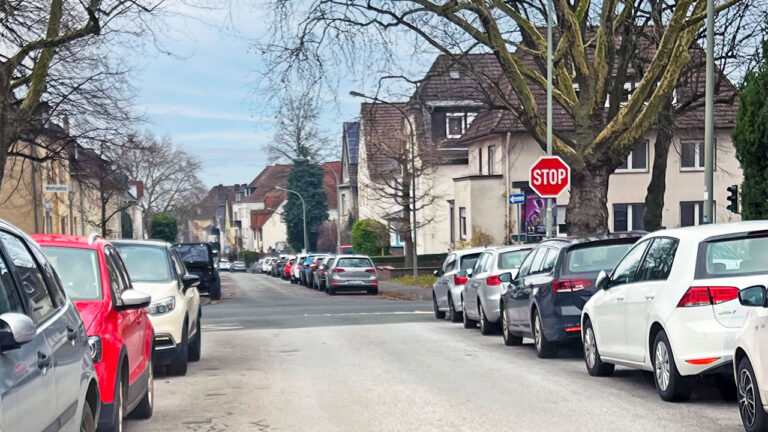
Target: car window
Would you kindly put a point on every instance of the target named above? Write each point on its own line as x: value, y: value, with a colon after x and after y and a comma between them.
x: 181, y: 271
x: 78, y: 270
x: 737, y: 256
x: 120, y: 283
x: 512, y: 259
x: 525, y: 267
x: 450, y: 263
x: 538, y: 260
x: 658, y: 261
x: 468, y: 261
x: 594, y: 257
x: 549, y: 261
x: 9, y: 297
x: 145, y: 263
x: 626, y: 270
x: 480, y: 263
x: 354, y: 262
x: 193, y: 253
x: 32, y: 281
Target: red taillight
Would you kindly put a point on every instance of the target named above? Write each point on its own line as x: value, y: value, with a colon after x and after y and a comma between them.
x: 570, y: 285
x: 458, y: 280
x: 493, y: 280
x: 370, y: 271
x: 325, y: 272
x: 704, y: 361
x: 338, y: 270
x: 706, y: 296
x: 312, y: 267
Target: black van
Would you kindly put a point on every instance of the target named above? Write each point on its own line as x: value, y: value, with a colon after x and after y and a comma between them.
x: 199, y: 259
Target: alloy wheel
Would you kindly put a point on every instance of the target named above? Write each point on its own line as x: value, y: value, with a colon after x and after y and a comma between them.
x: 747, y: 405
x: 482, y: 317
x: 662, y: 366
x: 151, y: 385
x: 590, y: 351
x: 504, y: 324
x: 537, y: 332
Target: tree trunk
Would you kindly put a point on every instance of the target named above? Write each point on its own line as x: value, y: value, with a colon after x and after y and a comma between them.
x: 654, y: 198
x: 588, y: 209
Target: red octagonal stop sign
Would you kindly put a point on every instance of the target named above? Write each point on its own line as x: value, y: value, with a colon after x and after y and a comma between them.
x: 549, y: 176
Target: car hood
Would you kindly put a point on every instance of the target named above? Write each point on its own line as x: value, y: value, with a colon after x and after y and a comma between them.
x: 89, y: 312
x: 157, y: 290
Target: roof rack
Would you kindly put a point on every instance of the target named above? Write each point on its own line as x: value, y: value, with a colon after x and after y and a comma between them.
x: 92, y: 237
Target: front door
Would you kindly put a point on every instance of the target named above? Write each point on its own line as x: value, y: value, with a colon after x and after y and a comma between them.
x: 520, y: 290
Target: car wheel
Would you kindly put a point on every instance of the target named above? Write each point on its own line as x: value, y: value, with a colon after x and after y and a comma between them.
x: 453, y: 314
x: 670, y: 385
x: 215, y: 291
x: 438, y: 314
x: 726, y: 386
x: 486, y: 327
x: 179, y: 366
x: 87, y: 423
x: 195, y: 348
x: 544, y: 348
x: 146, y: 407
x: 468, y: 323
x: 331, y: 291
x: 753, y: 417
x: 509, y: 338
x: 374, y: 291
x: 595, y: 366
x: 116, y: 423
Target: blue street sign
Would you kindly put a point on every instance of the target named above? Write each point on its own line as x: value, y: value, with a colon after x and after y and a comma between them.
x: 518, y: 198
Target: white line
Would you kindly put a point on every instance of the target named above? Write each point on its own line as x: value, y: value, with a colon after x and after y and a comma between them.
x: 370, y: 313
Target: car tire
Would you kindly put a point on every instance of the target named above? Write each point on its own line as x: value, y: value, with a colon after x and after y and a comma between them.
x: 215, y: 290
x: 331, y: 291
x: 486, y: 327
x: 87, y: 422
x: 727, y: 387
x: 671, y: 386
x: 509, y: 338
x: 468, y: 323
x: 116, y: 423
x: 438, y: 313
x: 179, y: 366
x: 453, y: 314
x: 595, y: 366
x: 374, y: 291
x: 195, y: 348
x: 544, y: 348
x: 753, y: 417
x: 146, y: 407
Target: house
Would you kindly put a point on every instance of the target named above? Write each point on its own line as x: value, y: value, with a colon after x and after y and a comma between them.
x: 349, y: 159
x: 267, y: 229
x: 214, y: 221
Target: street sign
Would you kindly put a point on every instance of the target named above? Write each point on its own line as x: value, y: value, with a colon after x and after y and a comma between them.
x: 517, y: 198
x: 549, y: 176
x: 56, y: 188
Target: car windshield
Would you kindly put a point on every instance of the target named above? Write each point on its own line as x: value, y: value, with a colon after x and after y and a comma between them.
x: 78, y: 270
x: 596, y: 257
x: 193, y: 253
x: 354, y: 262
x: 733, y: 257
x: 145, y: 263
x: 512, y: 259
x: 468, y: 261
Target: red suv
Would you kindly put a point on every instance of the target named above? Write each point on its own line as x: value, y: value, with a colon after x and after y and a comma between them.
x: 119, y: 331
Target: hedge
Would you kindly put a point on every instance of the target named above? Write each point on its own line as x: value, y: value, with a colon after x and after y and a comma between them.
x: 395, y: 259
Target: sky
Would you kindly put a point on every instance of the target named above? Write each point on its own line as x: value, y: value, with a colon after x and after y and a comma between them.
x: 203, y: 95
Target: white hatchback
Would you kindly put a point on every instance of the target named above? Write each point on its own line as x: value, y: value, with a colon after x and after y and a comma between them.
x: 750, y: 360
x: 670, y: 306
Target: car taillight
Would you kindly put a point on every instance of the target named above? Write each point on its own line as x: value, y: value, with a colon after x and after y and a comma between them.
x: 493, y: 280
x: 706, y: 296
x: 338, y: 270
x: 325, y: 272
x: 370, y: 271
x: 458, y: 280
x: 570, y: 285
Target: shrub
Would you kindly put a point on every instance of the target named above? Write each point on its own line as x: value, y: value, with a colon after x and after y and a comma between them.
x: 163, y: 227
x: 479, y: 238
x: 249, y: 257
x: 370, y: 237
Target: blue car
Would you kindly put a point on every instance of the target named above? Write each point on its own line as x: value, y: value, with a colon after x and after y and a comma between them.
x: 306, y: 269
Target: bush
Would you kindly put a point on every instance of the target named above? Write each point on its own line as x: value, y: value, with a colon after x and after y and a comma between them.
x: 163, y: 227
x: 399, y: 259
x: 249, y: 257
x: 479, y: 238
x: 370, y: 237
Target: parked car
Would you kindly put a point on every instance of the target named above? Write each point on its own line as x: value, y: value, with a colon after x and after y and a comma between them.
x: 224, y: 264
x: 198, y: 258
x: 156, y: 269
x: 545, y: 299
x: 670, y: 306
x: 48, y: 378
x: 95, y: 278
x: 346, y: 250
x: 287, y: 268
x: 482, y: 293
x: 237, y: 266
x: 749, y: 360
x: 268, y: 264
x: 304, y: 270
x: 321, y: 274
x: 277, y: 268
x: 296, y: 269
x: 451, y: 277
x: 314, y: 266
x: 353, y: 273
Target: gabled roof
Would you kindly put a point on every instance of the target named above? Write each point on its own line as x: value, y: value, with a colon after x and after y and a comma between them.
x: 330, y: 182
x: 384, y: 132
x: 455, y: 80
x: 267, y: 180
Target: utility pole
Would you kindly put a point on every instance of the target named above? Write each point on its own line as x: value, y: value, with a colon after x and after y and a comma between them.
x: 709, y: 116
x: 304, y: 212
x: 549, y: 107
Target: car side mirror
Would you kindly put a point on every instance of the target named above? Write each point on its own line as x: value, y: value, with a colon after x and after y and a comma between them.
x: 603, y: 280
x: 506, y: 277
x: 468, y: 272
x: 753, y: 296
x: 436, y: 273
x: 190, y: 281
x: 132, y: 299
x: 15, y: 330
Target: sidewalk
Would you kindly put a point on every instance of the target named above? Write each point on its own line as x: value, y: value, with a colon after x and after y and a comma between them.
x: 405, y: 292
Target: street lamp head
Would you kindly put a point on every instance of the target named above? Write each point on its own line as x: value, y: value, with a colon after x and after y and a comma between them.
x: 356, y: 94
x: 281, y: 188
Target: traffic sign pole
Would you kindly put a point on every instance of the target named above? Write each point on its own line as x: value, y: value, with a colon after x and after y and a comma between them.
x: 549, y: 105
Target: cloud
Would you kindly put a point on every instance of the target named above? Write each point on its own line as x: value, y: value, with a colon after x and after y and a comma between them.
x: 223, y: 136
x: 192, y: 112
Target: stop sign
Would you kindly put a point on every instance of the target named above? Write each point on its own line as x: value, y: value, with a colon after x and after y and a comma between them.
x: 549, y: 176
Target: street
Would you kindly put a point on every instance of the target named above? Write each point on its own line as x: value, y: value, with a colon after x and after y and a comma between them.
x: 278, y: 356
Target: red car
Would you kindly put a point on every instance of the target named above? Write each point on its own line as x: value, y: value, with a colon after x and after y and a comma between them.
x: 287, y: 268
x: 119, y: 331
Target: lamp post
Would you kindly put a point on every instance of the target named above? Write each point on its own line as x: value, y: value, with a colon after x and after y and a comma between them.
x: 709, y: 116
x: 549, y: 107
x: 413, y: 175
x: 304, y: 211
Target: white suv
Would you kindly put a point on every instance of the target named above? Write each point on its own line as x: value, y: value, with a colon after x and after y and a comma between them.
x: 670, y: 306
x: 750, y: 360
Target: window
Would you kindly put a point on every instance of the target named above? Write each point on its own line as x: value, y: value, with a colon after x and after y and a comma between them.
x: 145, y: 263
x: 512, y: 260
x: 491, y: 160
x: 354, y: 262
x: 628, y: 217
x: 32, y: 281
x: 9, y: 297
x: 658, y: 261
x: 462, y: 222
x: 458, y: 123
x: 480, y: 265
x: 691, y: 213
x: 115, y: 281
x: 526, y: 265
x: 732, y: 257
x: 637, y: 160
x: 549, y: 262
x: 78, y: 270
x: 691, y: 155
x: 449, y: 264
x: 536, y: 265
x: 480, y: 160
x: 63, y: 224
x: 178, y: 265
x: 343, y: 204
x: 591, y: 258
x: 468, y: 261
x: 625, y: 271
x: 452, y: 218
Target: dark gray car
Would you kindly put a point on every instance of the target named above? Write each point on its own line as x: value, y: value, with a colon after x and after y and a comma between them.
x: 48, y: 380
x: 353, y: 273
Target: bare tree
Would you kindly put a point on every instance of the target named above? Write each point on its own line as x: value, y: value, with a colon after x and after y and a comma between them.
x: 298, y: 135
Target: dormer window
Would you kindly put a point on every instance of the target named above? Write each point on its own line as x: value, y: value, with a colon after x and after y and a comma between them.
x: 454, y: 74
x: 458, y: 123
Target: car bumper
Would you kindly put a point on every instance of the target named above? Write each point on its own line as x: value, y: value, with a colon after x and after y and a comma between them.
x: 341, y: 286
x: 695, y: 334
x: 107, y: 416
x: 166, y: 350
x: 491, y: 307
x: 168, y: 327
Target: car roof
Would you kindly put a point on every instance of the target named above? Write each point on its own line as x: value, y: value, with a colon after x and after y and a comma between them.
x: 704, y: 232
x: 510, y: 248
x: 79, y: 242
x: 158, y: 243
x: 470, y: 250
x: 563, y: 242
x: 353, y: 256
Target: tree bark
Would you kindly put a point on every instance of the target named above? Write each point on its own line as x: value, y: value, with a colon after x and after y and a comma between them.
x: 588, y: 205
x: 654, y: 198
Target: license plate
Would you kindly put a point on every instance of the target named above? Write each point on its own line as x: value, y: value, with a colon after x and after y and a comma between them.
x: 356, y: 282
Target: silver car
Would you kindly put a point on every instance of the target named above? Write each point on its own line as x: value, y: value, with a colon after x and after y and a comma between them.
x: 482, y: 293
x: 353, y: 273
x: 447, y: 290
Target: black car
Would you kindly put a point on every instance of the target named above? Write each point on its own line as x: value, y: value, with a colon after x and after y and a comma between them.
x: 199, y: 260
x: 277, y: 269
x: 555, y: 280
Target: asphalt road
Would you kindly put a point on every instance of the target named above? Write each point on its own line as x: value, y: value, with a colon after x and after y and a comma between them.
x: 280, y: 357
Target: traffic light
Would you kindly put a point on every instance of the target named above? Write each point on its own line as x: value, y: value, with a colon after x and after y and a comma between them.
x: 733, y: 198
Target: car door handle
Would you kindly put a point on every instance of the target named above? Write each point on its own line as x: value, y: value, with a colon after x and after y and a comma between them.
x: 71, y: 334
x: 649, y: 297
x: 619, y: 299
x: 43, y: 361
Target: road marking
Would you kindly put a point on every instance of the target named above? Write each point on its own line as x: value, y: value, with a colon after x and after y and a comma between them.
x: 369, y: 313
x: 220, y: 327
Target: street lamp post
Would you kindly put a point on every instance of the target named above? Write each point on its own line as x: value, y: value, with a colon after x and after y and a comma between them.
x: 413, y: 175
x: 304, y: 211
x: 709, y: 116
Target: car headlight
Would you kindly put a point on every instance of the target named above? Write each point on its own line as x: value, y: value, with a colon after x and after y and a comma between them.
x: 94, y: 343
x: 162, y: 307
